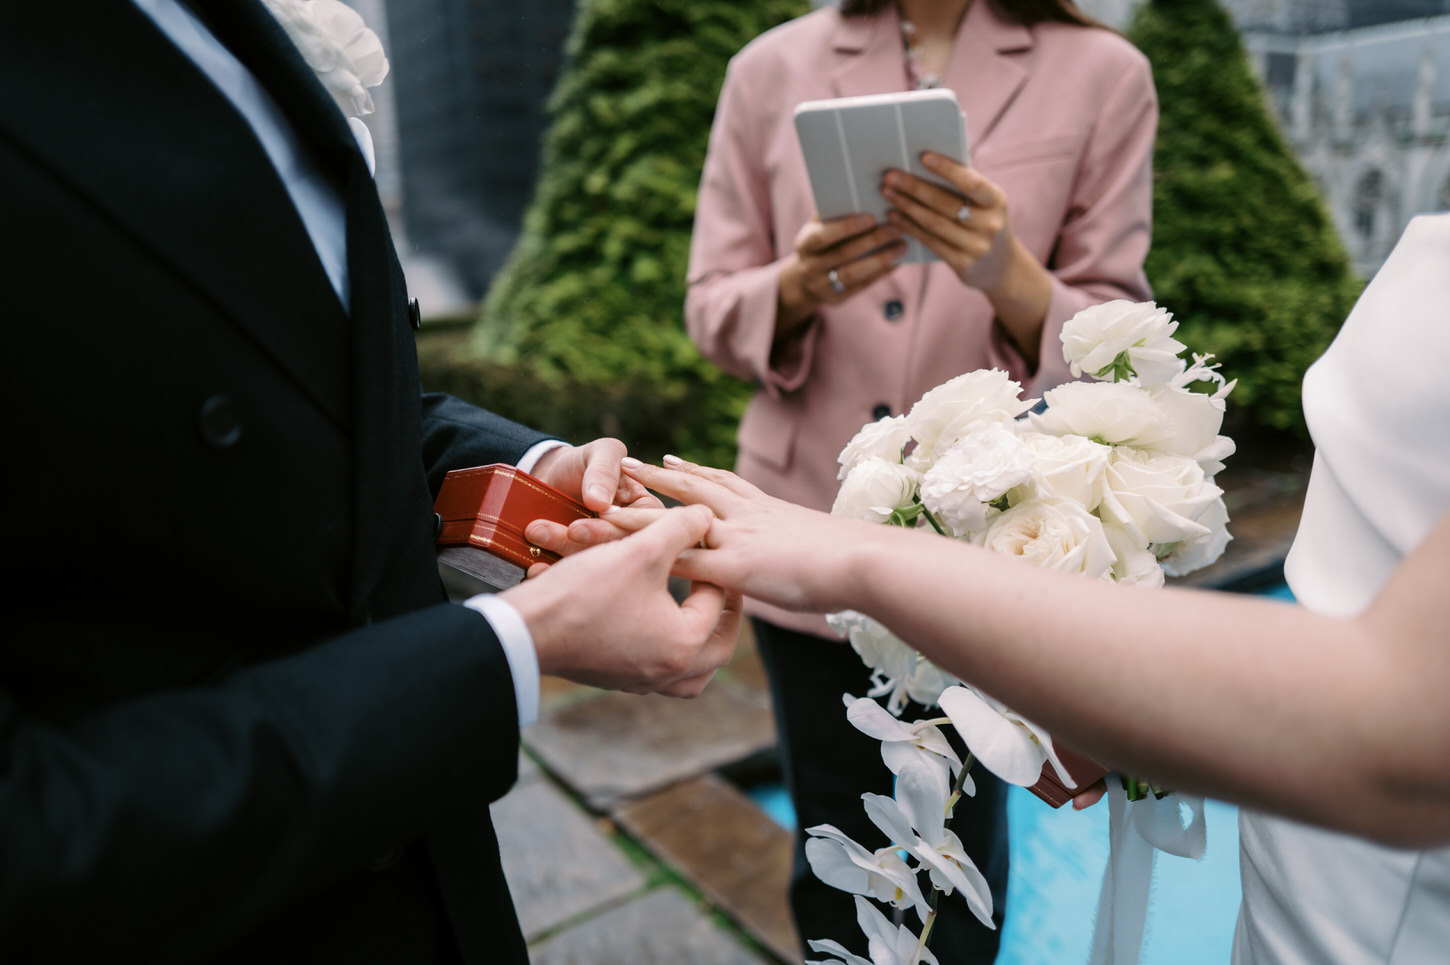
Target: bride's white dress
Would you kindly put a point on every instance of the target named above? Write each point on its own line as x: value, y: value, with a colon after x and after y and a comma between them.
x: 1378, y: 406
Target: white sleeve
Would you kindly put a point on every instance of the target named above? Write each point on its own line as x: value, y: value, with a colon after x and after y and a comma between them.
x: 518, y: 647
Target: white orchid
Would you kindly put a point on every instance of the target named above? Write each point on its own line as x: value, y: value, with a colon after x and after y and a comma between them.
x: 915, y: 821
x: 887, y: 944
x: 902, y: 742
x: 1008, y: 744
x: 898, y: 672
x: 882, y: 874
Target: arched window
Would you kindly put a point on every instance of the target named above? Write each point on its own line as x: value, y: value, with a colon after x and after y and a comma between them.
x: 1368, y: 196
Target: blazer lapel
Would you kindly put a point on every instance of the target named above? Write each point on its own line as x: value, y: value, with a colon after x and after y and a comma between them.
x: 983, y: 70
x: 133, y: 125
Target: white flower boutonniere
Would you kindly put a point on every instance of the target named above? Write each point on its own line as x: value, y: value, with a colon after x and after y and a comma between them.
x: 336, y: 43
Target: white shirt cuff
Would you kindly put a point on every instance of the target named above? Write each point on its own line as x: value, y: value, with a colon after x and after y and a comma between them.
x: 536, y: 452
x: 518, y: 647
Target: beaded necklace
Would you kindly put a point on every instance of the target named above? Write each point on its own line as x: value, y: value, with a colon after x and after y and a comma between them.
x: 918, y: 78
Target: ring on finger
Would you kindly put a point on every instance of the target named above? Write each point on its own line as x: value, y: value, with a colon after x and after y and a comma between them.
x: 964, y: 213
x: 836, y: 284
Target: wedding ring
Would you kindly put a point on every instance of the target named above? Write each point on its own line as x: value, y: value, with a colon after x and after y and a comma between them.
x: 964, y: 213
x: 836, y: 284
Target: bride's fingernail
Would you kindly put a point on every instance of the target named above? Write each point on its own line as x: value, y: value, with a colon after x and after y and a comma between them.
x: 629, y: 462
x: 673, y: 461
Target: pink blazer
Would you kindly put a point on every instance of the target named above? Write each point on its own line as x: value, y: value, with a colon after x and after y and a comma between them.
x: 1062, y: 117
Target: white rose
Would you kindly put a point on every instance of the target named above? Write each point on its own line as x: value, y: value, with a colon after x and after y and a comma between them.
x: 883, y: 439
x: 346, y: 56
x: 957, y: 407
x: 1197, y: 552
x: 1157, y: 498
x: 874, y: 490
x: 1111, y: 413
x: 1057, y: 534
x: 978, y: 469
x: 1068, y: 467
x: 1095, y: 339
x: 1136, y: 563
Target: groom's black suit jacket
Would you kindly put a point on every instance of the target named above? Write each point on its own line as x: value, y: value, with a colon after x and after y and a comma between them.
x: 237, y: 719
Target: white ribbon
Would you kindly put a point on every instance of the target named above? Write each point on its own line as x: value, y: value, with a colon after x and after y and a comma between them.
x: 1137, y: 831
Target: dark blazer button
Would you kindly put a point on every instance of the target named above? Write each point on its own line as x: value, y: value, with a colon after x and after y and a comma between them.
x: 220, y: 421
x: 880, y: 412
x: 893, y: 309
x: 415, y: 314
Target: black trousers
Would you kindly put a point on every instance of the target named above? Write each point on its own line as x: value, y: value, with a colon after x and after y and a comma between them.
x: 829, y: 764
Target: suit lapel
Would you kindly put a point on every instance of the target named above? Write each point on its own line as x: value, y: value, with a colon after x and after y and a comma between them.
x: 130, y: 123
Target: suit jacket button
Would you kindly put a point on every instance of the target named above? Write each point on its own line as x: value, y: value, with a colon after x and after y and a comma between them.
x: 880, y: 412
x: 415, y: 314
x: 893, y: 310
x: 220, y: 421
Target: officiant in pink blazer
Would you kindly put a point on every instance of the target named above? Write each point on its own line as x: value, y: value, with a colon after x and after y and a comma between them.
x: 1052, y: 215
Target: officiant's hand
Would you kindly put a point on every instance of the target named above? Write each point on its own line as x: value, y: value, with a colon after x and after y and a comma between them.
x: 591, y: 474
x: 968, y: 228
x: 606, y: 618
x: 832, y: 261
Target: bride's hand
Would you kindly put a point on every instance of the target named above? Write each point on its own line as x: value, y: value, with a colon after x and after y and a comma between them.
x: 764, y: 547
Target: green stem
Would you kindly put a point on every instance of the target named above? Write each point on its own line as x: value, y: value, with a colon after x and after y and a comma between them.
x: 932, y: 519
x: 956, y: 795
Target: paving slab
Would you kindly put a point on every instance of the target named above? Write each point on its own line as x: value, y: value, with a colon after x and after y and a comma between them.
x: 558, y: 862
x: 730, y: 850
x: 660, y: 928
x: 617, y: 746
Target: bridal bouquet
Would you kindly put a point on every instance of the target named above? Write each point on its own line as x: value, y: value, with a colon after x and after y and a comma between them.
x: 1112, y: 479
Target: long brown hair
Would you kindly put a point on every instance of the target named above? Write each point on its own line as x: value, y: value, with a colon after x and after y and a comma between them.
x: 1025, y: 12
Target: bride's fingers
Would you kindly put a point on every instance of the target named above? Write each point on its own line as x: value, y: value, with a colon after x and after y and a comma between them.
x: 632, y: 520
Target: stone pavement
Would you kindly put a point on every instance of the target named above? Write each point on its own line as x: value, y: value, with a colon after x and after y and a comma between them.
x: 627, y: 840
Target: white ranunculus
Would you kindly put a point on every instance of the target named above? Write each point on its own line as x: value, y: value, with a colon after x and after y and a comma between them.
x: 1157, y: 498
x: 1057, y: 534
x: 1197, y: 552
x: 1111, y: 413
x: 346, y: 56
x: 1068, y: 467
x: 1196, y: 419
x: 883, y: 439
x: 957, y: 407
x: 978, y: 469
x: 1095, y: 339
x: 875, y: 489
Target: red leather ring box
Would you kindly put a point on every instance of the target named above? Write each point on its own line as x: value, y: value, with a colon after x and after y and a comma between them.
x: 487, y: 507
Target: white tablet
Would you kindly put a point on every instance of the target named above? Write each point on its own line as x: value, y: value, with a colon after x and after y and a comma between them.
x: 850, y: 142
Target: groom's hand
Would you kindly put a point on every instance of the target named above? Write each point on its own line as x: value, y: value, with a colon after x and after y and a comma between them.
x: 590, y: 473
x: 606, y: 618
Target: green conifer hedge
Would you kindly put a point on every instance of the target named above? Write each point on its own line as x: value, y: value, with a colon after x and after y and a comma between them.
x: 1244, y: 253
x: 587, y: 316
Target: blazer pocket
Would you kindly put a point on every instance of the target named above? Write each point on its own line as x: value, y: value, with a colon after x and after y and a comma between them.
x: 1009, y: 154
x: 767, y: 432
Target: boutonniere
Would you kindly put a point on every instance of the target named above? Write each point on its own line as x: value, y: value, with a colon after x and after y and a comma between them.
x: 336, y: 43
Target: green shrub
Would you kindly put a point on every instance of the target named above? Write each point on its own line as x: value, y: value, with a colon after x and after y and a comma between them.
x: 588, y: 311
x: 1244, y: 252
